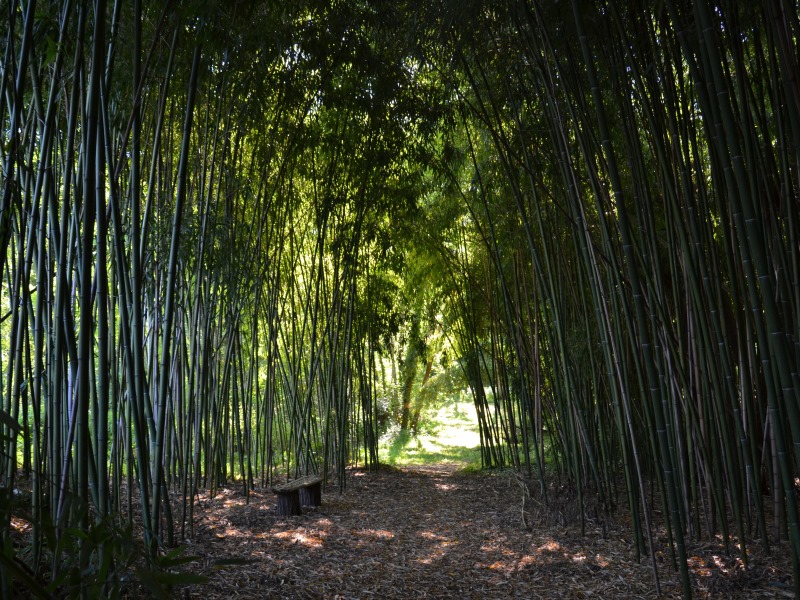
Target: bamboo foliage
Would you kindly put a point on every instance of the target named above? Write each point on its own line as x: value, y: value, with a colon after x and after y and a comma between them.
x: 206, y: 234
x: 662, y: 151
x: 182, y: 251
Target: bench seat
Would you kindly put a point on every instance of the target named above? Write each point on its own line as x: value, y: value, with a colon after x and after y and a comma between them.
x: 305, y: 491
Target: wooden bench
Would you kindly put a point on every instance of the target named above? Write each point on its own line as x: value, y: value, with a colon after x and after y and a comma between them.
x: 306, y: 491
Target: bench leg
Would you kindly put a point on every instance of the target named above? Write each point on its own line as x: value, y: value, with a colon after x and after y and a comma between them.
x: 311, y: 495
x: 288, y: 503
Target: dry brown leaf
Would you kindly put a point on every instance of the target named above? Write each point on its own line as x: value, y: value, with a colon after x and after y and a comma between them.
x: 434, y: 533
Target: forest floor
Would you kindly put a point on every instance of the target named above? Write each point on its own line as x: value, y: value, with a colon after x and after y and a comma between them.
x: 437, y: 532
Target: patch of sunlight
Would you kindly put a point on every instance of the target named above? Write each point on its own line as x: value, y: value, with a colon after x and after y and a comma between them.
x: 500, y: 566
x: 377, y: 533
x: 459, y: 425
x: 299, y: 537
x: 449, y: 436
x: 525, y: 561
x: 441, y: 545
x: 367, y: 538
x: 429, y: 535
x: 579, y: 557
x: 724, y: 567
x: 20, y: 525
x: 550, y: 546
x: 601, y: 561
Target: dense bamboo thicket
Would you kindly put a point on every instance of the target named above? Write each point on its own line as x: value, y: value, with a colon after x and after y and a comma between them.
x: 232, y: 233
x: 633, y: 176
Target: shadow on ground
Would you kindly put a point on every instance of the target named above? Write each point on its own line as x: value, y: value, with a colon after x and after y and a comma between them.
x: 431, y: 532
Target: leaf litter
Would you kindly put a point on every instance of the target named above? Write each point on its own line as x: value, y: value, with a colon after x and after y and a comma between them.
x: 434, y: 532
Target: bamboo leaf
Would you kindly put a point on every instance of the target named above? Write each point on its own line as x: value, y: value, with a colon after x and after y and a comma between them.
x: 33, y: 587
x: 7, y: 420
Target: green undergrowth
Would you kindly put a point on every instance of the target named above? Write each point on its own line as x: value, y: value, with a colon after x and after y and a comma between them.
x: 449, y: 436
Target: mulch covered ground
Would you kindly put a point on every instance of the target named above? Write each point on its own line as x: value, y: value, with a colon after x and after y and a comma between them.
x: 435, y: 533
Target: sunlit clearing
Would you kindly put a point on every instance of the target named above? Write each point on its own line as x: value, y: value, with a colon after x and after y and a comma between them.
x: 458, y: 429
x: 448, y: 435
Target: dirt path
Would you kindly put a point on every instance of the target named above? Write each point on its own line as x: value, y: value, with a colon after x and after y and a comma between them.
x: 432, y: 533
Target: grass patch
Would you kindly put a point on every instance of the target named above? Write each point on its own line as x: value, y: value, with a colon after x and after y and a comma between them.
x: 450, y: 436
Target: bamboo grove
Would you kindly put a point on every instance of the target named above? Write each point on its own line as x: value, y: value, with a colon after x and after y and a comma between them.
x: 220, y: 223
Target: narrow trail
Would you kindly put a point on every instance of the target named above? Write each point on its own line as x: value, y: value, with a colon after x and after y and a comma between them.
x: 425, y: 532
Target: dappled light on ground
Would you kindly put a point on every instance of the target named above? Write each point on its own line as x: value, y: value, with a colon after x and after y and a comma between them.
x: 431, y: 532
